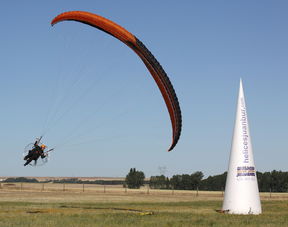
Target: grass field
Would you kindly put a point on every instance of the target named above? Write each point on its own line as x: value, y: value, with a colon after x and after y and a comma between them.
x: 67, y: 205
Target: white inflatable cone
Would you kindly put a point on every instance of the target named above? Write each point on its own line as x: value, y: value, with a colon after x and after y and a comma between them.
x: 241, y: 191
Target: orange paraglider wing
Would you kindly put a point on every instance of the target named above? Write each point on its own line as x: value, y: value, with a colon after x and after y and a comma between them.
x: 140, y: 49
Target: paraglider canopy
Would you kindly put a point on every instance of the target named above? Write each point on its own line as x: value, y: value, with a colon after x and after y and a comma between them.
x: 146, y: 56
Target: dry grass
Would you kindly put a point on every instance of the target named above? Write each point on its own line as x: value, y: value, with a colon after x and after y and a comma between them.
x: 91, y: 192
x: 50, y: 192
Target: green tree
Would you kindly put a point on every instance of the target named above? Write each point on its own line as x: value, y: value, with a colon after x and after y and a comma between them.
x: 159, y: 182
x: 135, y: 179
x: 195, y: 179
x: 186, y: 181
x: 176, y: 182
x: 214, y: 183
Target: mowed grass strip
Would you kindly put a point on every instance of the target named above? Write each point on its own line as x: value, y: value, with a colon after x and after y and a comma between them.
x: 191, y: 213
x: 32, y: 206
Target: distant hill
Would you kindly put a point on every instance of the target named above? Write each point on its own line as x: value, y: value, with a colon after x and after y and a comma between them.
x: 44, y: 179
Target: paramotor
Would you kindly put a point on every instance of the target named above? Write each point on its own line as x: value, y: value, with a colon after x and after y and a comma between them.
x: 33, y: 157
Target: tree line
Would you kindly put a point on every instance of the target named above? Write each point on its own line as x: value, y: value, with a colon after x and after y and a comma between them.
x: 274, y: 181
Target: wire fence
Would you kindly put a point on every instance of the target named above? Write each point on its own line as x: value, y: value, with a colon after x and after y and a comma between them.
x: 95, y: 188
x: 119, y: 189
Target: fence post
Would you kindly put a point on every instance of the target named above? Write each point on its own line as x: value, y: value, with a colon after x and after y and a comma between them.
x: 148, y: 189
x: 83, y: 188
x: 197, y: 192
x: 270, y: 193
x: 42, y: 189
x: 0, y: 185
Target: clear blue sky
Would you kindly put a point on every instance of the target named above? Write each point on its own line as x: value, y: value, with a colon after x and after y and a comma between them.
x: 96, y: 97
